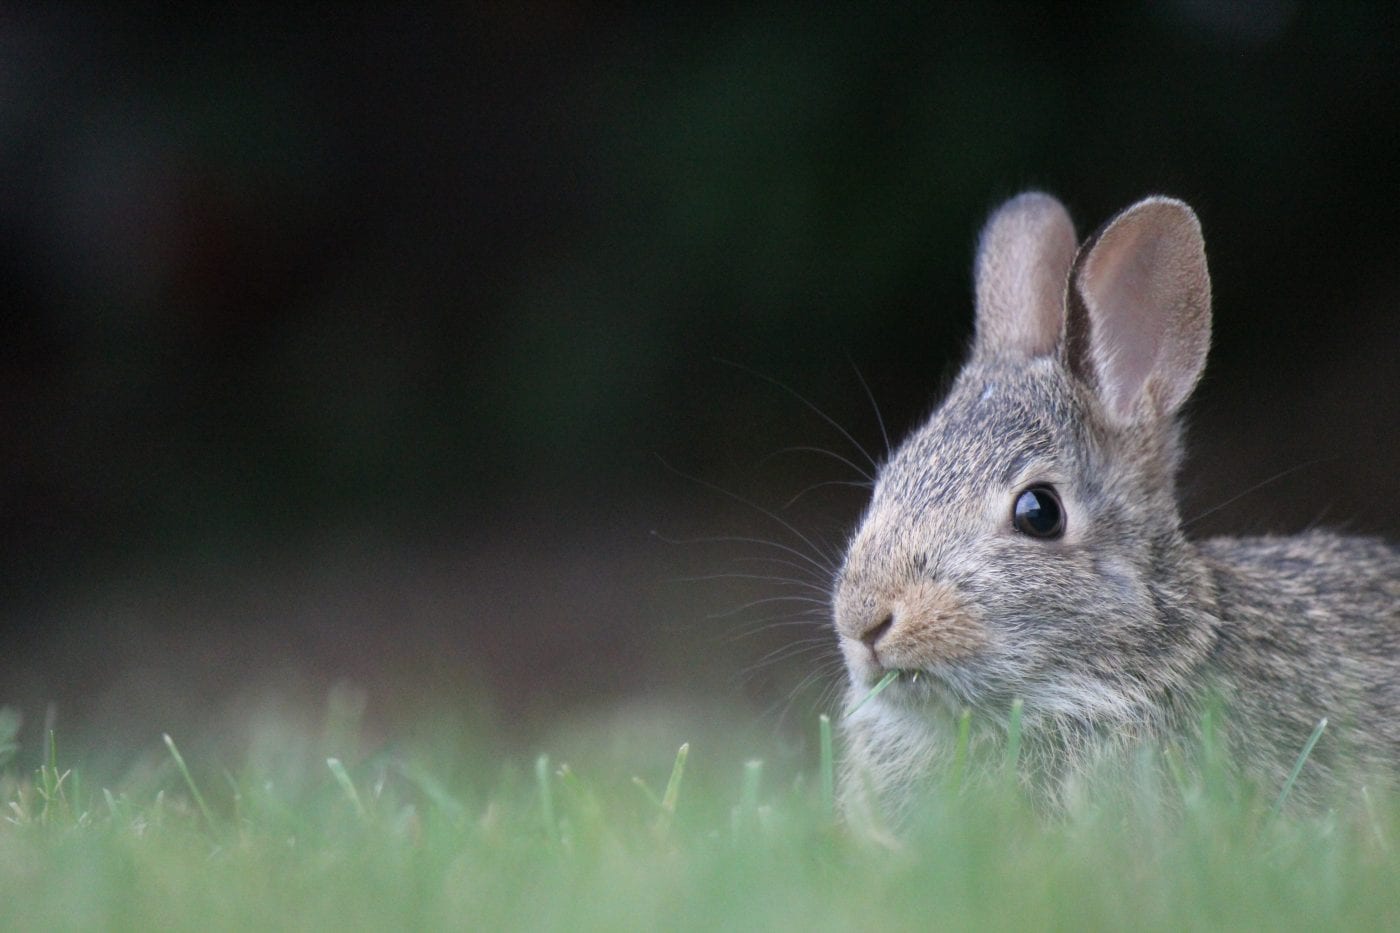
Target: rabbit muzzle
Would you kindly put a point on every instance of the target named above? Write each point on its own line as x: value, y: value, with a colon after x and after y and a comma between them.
x: 921, y: 625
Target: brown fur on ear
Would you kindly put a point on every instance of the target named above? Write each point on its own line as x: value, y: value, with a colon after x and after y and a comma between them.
x: 1138, y: 310
x: 1023, y: 260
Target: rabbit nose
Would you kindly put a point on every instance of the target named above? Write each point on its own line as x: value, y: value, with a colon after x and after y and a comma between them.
x: 874, y: 633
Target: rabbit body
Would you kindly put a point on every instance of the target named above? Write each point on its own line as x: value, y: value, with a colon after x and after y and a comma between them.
x: 1093, y: 608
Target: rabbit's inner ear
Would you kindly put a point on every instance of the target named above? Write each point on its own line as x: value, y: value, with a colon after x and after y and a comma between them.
x: 1023, y: 262
x: 1139, y: 311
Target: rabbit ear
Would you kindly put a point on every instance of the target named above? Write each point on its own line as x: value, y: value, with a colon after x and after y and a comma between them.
x: 1138, y: 309
x: 1023, y: 260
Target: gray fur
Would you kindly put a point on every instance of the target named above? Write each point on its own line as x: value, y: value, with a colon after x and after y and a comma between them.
x: 1123, y: 630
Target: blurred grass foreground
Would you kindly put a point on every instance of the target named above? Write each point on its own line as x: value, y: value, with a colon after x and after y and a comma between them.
x: 442, y: 835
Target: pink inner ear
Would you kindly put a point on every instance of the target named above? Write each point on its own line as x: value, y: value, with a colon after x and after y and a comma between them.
x: 1130, y: 329
x: 1146, y: 290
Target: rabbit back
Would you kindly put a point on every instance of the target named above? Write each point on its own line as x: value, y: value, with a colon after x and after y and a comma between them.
x: 1309, y: 627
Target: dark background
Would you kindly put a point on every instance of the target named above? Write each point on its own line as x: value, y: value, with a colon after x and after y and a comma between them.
x: 393, y: 349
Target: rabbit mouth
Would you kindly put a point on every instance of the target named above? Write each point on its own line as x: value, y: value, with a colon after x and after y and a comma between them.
x: 923, y: 688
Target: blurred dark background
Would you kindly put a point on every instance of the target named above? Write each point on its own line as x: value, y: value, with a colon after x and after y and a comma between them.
x: 394, y: 348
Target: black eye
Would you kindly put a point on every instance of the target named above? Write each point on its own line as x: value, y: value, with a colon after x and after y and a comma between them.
x: 1038, y: 513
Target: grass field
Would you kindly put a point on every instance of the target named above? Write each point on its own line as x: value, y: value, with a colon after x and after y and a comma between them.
x: 440, y: 832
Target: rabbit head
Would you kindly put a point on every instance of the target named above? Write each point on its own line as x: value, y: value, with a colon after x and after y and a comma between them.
x: 1025, y: 542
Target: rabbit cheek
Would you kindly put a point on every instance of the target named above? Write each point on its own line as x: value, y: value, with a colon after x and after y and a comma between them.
x: 1124, y: 583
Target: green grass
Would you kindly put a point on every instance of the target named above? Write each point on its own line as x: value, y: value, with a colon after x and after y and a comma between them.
x: 446, y: 834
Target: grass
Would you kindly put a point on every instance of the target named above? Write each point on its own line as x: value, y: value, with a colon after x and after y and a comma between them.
x: 445, y: 835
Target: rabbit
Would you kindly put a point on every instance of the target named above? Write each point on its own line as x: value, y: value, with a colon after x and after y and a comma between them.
x: 1025, y: 544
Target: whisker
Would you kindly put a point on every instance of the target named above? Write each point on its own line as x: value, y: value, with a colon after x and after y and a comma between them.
x: 805, y: 563
x: 781, y: 709
x: 831, y: 482
x: 791, y: 528
x: 831, y: 695
x: 1256, y: 487
x: 831, y: 689
x: 826, y: 569
x: 824, y: 542
x: 771, y: 625
x: 782, y: 581
x: 788, y: 697
x: 792, y: 650
x: 796, y: 646
x: 823, y: 581
x: 795, y: 394
x: 829, y: 666
x: 765, y: 601
x: 815, y: 614
x: 821, y: 670
x: 879, y: 418
x: 773, y: 658
x: 809, y: 449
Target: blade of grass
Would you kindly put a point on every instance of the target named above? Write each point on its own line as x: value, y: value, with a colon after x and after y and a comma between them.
x: 343, y: 779
x: 753, y: 777
x: 50, y: 784
x: 586, y: 816
x: 551, y: 827
x: 673, y: 784
x: 1297, y: 768
x: 960, y: 746
x: 235, y: 795
x: 828, y: 767
x: 745, y: 816
x: 1172, y: 759
x: 1373, y: 820
x: 431, y: 788
x: 646, y: 790
x: 885, y: 681
x: 666, y: 804
x: 9, y: 732
x: 1215, y: 771
x: 189, y: 781
x: 1013, y: 736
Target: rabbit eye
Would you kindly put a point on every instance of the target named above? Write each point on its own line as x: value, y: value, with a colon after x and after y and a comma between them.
x: 1038, y: 513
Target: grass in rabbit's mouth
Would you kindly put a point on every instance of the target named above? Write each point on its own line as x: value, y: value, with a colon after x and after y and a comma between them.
x: 308, y: 834
x: 901, y: 675
x: 890, y: 677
